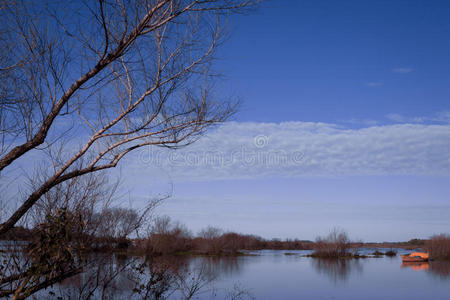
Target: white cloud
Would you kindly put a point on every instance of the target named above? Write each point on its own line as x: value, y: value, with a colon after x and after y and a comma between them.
x: 443, y: 116
x: 440, y: 117
x: 365, y: 122
x: 374, y: 84
x: 299, y: 149
x: 402, y: 70
x: 396, y: 117
x: 404, y: 119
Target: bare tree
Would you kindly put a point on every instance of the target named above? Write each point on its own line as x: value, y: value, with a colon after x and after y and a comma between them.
x: 210, y: 233
x: 167, y: 237
x: 211, y: 240
x: 68, y: 221
x: 95, y: 80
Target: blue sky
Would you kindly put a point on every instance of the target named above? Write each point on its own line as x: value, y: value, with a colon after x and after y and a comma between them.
x: 337, y: 61
x: 345, y: 122
x: 354, y: 96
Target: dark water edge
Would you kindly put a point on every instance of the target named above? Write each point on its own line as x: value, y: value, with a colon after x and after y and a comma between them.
x: 266, y: 274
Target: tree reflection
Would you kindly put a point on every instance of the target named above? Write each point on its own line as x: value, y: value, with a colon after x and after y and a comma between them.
x: 115, y: 277
x: 336, y: 269
x: 440, y: 269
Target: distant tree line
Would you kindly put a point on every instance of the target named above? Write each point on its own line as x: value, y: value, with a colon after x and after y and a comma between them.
x: 164, y: 236
x: 167, y: 237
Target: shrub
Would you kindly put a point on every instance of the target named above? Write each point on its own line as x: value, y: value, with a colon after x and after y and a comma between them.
x: 390, y: 253
x: 210, y: 241
x: 416, y: 242
x: 439, y: 247
x: 336, y: 244
x: 168, y: 237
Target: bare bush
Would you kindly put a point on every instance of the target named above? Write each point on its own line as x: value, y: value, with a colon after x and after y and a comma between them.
x: 69, y: 221
x: 438, y: 247
x: 232, y: 242
x: 210, y: 241
x: 336, y: 244
x: 53, y: 255
x: 167, y: 237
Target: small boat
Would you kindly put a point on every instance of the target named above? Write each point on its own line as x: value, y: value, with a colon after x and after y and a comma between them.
x: 415, y: 257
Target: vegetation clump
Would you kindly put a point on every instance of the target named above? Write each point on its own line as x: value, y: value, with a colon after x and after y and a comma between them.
x: 335, y: 245
x: 390, y: 253
x: 168, y: 237
x: 417, y: 242
x: 387, y: 253
x: 438, y: 246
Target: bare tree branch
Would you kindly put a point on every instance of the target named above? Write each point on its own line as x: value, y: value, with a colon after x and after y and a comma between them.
x: 144, y: 81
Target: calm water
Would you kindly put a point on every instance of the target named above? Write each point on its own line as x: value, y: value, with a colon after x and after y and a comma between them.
x: 274, y: 275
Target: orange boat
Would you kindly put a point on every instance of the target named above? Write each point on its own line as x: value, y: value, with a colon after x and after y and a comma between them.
x: 415, y: 257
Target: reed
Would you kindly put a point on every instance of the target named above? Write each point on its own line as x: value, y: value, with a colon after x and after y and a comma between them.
x: 438, y: 246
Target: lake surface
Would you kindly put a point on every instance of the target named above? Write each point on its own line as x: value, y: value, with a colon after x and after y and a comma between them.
x: 272, y: 274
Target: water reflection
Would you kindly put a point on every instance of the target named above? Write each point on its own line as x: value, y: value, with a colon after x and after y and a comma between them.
x: 104, y: 276
x: 269, y: 276
x: 179, y: 277
x: 440, y: 269
x: 227, y: 265
x: 336, y: 269
x: 416, y: 266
